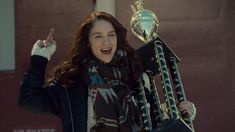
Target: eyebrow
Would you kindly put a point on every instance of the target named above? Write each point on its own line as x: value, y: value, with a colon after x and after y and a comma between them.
x: 97, y: 33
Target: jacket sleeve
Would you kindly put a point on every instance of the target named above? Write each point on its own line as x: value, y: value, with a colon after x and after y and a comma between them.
x: 33, y: 96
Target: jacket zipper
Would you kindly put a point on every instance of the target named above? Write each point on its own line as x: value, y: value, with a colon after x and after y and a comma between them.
x: 70, y: 110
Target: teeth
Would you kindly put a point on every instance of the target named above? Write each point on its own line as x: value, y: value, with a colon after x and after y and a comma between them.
x: 106, y: 49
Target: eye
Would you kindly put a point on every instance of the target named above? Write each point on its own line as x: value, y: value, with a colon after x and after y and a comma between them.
x: 112, y: 34
x: 97, y: 36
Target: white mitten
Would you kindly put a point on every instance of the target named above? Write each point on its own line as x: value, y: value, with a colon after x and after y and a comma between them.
x: 44, y: 49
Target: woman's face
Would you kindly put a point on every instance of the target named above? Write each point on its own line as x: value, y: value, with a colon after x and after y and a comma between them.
x: 103, y: 40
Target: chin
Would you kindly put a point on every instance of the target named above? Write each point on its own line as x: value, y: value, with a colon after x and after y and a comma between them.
x: 106, y: 61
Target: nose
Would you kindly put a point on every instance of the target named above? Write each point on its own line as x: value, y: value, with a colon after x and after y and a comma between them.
x: 106, y: 40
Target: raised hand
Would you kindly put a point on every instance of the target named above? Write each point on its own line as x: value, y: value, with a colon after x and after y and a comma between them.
x: 45, y: 48
x: 49, y: 39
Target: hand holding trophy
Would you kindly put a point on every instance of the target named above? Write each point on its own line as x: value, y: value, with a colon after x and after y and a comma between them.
x: 144, y: 24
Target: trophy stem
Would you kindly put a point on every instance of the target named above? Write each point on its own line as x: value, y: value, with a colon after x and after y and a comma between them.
x: 180, y: 94
x: 165, y: 80
x: 144, y: 107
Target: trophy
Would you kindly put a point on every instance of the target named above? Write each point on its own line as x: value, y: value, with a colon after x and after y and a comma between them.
x: 164, y: 116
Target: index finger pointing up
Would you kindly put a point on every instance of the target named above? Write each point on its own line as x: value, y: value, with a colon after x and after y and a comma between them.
x: 50, y: 35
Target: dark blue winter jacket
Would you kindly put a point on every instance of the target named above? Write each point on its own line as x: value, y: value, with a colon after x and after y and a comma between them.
x: 68, y: 104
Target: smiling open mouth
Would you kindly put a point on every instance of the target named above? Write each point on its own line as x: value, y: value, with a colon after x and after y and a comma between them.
x: 106, y: 51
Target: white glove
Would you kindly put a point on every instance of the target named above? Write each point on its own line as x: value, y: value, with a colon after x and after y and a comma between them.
x: 44, y: 48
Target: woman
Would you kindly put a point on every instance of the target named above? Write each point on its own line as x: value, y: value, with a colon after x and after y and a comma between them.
x: 94, y: 88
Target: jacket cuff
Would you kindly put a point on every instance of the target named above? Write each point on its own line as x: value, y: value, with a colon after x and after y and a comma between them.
x: 38, y: 63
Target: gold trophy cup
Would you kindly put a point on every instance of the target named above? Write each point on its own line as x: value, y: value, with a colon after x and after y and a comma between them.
x: 144, y: 23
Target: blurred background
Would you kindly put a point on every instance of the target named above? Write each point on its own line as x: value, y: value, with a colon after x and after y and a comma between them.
x: 201, y: 33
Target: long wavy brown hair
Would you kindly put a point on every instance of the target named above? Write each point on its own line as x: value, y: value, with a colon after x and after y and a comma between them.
x: 67, y: 72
